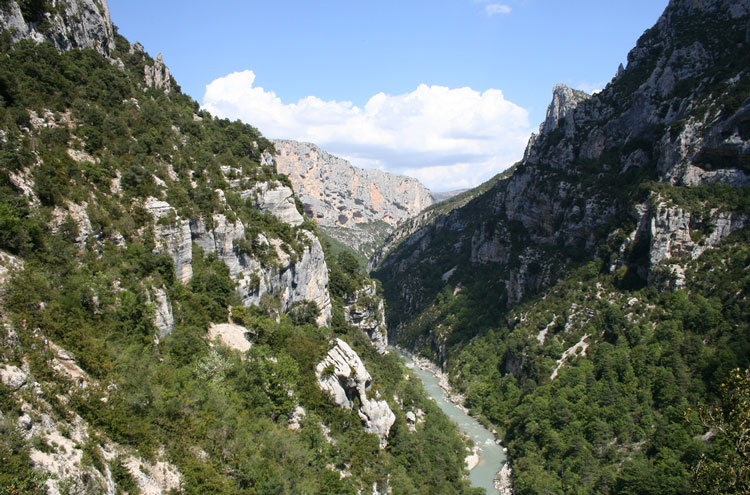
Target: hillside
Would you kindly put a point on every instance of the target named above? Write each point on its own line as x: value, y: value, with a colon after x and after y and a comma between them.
x: 430, y: 214
x: 590, y: 301
x: 358, y: 207
x: 170, y: 320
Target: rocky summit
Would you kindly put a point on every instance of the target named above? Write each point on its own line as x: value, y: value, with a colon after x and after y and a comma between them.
x: 358, y: 207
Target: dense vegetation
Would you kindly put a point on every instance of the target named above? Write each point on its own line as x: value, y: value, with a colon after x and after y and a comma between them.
x: 186, y: 394
x: 220, y: 416
x: 594, y: 384
x: 613, y: 419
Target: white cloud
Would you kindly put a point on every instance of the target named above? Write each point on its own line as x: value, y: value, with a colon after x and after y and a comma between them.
x: 590, y: 88
x: 497, y: 8
x: 448, y: 138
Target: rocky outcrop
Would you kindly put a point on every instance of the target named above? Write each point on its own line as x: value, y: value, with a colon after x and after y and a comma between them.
x: 564, y: 102
x: 303, y: 277
x: 157, y: 75
x: 77, y: 213
x: 175, y: 239
x: 163, y: 317
x: 172, y: 236
x: 291, y: 280
x: 13, y: 377
x: 679, y: 236
x: 414, y: 419
x: 365, y: 310
x: 356, y: 206
x: 71, y: 24
x: 277, y: 200
x: 342, y: 374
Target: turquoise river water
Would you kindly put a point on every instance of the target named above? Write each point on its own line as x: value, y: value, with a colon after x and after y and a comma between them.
x: 491, y: 455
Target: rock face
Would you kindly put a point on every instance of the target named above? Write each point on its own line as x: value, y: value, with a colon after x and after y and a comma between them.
x: 163, y: 319
x: 677, y: 114
x: 366, y: 311
x: 564, y: 101
x: 157, y: 75
x: 304, y: 279
x: 277, y: 200
x: 677, y: 233
x: 342, y: 374
x: 353, y: 205
x: 75, y: 24
x: 13, y: 377
x: 291, y: 279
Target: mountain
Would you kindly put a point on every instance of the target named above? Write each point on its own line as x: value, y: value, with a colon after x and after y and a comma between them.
x: 442, y: 196
x: 430, y: 214
x: 591, y: 300
x: 358, y: 207
x: 169, y: 319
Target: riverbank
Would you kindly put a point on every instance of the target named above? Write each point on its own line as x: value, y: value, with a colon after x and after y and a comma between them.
x: 442, y: 377
x: 487, y: 463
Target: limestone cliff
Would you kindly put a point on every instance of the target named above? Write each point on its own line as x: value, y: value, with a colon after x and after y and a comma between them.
x: 68, y: 25
x: 292, y: 277
x: 679, y: 236
x: 355, y: 206
x: 342, y: 374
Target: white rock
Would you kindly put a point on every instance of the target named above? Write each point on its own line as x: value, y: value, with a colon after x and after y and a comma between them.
x: 360, y: 312
x: 344, y: 376
x: 163, y: 317
x: 82, y: 24
x: 157, y: 75
x: 233, y: 336
x: 277, y: 200
x: 13, y: 377
x: 296, y: 417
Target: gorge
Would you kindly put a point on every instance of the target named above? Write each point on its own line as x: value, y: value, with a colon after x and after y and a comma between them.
x: 184, y: 306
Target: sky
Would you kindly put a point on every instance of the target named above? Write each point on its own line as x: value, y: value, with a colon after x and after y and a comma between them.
x: 447, y: 91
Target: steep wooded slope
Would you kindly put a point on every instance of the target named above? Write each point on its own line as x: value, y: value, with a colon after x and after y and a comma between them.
x: 164, y: 301
x: 588, y: 300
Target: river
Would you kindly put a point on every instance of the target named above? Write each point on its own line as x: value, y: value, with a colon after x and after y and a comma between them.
x: 491, y: 455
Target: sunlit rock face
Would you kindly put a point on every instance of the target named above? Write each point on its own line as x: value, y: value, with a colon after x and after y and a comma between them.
x: 75, y: 24
x: 342, y: 374
x: 356, y: 206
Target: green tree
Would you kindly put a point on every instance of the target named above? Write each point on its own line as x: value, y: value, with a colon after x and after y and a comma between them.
x: 726, y: 469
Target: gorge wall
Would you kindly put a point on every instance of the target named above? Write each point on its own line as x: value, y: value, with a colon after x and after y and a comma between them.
x: 359, y: 207
x: 563, y: 299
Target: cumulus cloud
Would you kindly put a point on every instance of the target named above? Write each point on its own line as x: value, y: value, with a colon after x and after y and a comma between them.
x: 589, y: 87
x: 447, y: 138
x: 497, y: 8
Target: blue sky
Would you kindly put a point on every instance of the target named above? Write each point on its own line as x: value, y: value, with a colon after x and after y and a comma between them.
x: 447, y: 91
